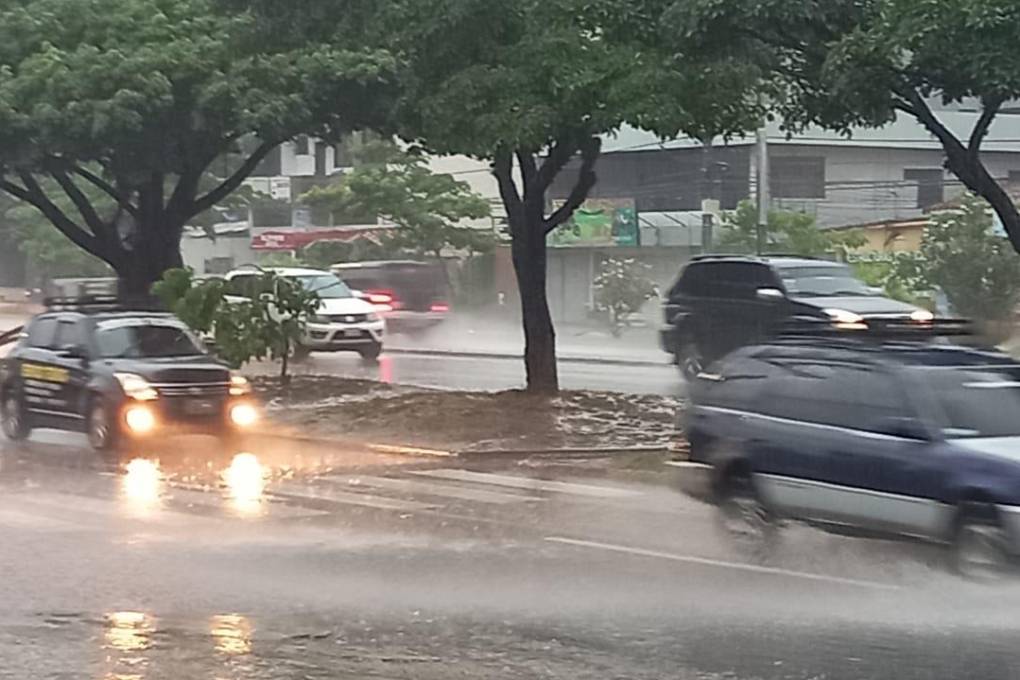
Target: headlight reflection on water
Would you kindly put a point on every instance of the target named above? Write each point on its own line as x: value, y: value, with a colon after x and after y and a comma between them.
x: 142, y: 485
x: 231, y: 634
x: 246, y: 484
x: 129, y: 631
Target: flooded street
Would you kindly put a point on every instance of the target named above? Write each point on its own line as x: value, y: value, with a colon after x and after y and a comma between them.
x: 337, y: 564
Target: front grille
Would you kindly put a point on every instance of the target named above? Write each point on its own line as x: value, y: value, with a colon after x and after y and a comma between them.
x: 348, y: 318
x: 197, y: 391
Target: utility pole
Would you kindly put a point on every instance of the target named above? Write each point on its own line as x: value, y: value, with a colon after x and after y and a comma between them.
x: 762, y: 194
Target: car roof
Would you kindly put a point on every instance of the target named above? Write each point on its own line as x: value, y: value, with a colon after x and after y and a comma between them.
x: 915, y: 353
x: 778, y: 261
x: 381, y: 264
x: 280, y: 271
x: 107, y: 314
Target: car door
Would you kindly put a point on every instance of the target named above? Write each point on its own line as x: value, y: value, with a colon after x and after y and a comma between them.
x: 739, y: 316
x: 70, y: 361
x: 42, y: 382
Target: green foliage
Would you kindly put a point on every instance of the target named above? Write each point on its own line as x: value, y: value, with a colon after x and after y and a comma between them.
x: 961, y: 255
x: 268, y: 325
x: 139, y: 98
x: 789, y: 232
x: 428, y: 208
x: 621, y: 289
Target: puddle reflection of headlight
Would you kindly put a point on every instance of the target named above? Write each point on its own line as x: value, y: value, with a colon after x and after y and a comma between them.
x: 129, y: 631
x: 142, y: 484
x: 231, y: 634
x: 246, y: 483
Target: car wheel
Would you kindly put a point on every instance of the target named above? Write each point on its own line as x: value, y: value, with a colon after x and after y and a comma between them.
x: 744, y: 518
x: 689, y: 361
x: 371, y: 352
x: 16, y: 425
x: 980, y: 548
x: 100, y: 427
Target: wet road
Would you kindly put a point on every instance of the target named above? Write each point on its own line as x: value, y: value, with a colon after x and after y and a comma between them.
x: 300, y: 563
x: 488, y: 373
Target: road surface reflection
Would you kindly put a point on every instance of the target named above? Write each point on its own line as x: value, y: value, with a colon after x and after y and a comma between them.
x: 246, y: 485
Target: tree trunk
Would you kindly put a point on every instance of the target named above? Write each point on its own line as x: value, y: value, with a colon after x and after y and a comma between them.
x: 152, y: 254
x: 529, y: 257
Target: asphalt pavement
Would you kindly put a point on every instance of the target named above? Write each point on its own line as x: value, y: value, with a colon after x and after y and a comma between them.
x: 294, y: 562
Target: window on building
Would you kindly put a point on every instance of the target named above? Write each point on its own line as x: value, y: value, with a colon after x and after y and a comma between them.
x: 301, y: 145
x: 797, y: 176
x: 930, y: 185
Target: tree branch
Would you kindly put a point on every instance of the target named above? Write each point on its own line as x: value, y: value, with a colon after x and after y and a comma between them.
x: 586, y: 179
x: 991, y: 108
x: 95, y: 223
x: 914, y: 104
x: 502, y: 169
x: 200, y: 205
x: 529, y: 170
x: 33, y: 194
x: 559, y: 155
x: 107, y: 188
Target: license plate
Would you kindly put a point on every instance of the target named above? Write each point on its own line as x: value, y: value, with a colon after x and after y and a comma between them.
x: 352, y: 334
x: 196, y: 407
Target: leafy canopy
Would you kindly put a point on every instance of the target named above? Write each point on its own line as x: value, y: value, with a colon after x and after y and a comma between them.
x: 790, y: 232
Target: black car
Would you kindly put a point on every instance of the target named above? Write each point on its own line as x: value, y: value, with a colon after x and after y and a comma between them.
x: 720, y: 303
x: 412, y: 296
x: 890, y: 439
x: 118, y: 375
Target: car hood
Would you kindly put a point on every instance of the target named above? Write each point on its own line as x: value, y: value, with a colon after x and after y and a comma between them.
x: 864, y: 304
x: 173, y: 369
x: 1005, y: 448
x: 351, y: 305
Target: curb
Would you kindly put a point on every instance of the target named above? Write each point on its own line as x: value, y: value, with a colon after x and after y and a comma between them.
x: 498, y: 355
x: 378, y: 448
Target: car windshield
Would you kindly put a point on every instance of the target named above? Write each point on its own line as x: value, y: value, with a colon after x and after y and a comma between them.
x: 980, y: 401
x: 822, y: 282
x: 123, y: 340
x: 327, y: 286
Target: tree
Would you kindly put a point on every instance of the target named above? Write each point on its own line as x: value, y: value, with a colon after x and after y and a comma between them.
x: 787, y: 231
x: 961, y: 255
x: 427, y: 208
x: 621, y: 289
x: 846, y: 63
x: 137, y: 99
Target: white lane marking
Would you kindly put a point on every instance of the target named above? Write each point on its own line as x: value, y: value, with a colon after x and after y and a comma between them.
x: 737, y: 566
x: 526, y: 483
x: 295, y: 492
x: 424, y: 488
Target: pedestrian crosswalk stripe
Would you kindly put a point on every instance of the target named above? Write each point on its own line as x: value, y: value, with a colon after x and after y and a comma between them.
x: 527, y: 483
x: 426, y: 488
x: 299, y: 492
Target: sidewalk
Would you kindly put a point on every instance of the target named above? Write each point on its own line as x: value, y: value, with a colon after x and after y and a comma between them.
x: 577, y: 343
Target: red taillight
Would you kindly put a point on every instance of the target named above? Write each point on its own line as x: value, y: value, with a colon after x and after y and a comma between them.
x: 439, y: 307
x: 384, y: 300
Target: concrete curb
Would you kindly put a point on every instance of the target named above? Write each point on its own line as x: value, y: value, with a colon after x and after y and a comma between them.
x: 574, y: 359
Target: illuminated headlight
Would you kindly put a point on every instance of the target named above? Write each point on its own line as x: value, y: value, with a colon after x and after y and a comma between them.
x: 239, y: 386
x: 922, y: 316
x: 140, y: 419
x: 136, y: 387
x: 244, y: 415
x: 846, y: 320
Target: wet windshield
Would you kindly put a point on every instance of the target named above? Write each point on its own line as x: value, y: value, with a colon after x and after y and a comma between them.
x: 976, y: 402
x: 327, y: 286
x: 141, y: 340
x: 822, y: 282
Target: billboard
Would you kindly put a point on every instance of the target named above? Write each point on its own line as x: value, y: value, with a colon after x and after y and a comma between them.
x: 598, y: 222
x: 296, y: 239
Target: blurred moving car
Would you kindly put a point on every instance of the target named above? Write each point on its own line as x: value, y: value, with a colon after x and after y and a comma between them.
x: 413, y: 296
x: 722, y: 302
x: 344, y: 321
x: 867, y: 437
x: 119, y: 375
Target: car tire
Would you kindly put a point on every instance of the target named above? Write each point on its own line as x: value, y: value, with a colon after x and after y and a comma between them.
x: 101, y: 427
x: 979, y: 548
x: 16, y: 424
x: 743, y: 517
x: 371, y: 352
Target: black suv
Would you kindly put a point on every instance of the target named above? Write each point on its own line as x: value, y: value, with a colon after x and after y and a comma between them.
x: 411, y: 296
x: 722, y: 302
x: 118, y: 375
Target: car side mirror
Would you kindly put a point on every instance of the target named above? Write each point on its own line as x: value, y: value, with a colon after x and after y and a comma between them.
x: 77, y: 351
x: 770, y: 294
x: 907, y: 428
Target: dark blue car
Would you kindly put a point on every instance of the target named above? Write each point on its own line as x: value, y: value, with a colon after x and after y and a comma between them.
x: 894, y: 439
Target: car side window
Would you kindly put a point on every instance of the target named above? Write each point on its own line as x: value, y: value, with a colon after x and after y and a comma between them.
x: 741, y: 280
x: 42, y: 333
x: 852, y: 396
x: 241, y: 286
x: 695, y: 281
x: 70, y: 333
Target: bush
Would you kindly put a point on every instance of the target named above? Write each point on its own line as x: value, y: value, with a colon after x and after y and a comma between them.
x: 621, y: 289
